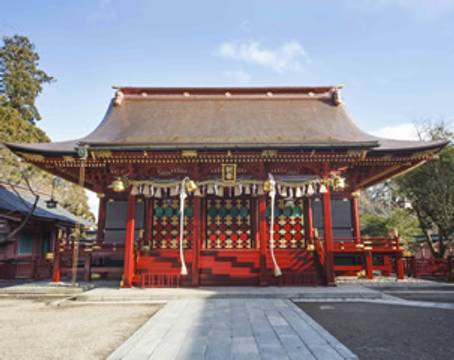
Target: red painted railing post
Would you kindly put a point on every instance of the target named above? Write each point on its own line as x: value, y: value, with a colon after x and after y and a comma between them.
x: 128, y: 266
x: 263, y: 229
x: 196, y: 231
x: 328, y: 237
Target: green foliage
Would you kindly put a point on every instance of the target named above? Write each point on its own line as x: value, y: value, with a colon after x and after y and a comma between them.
x: 430, y: 189
x: 20, y: 83
x: 20, y: 78
x: 400, y: 219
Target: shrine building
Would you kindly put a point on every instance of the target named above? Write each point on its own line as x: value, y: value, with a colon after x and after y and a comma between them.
x: 229, y: 186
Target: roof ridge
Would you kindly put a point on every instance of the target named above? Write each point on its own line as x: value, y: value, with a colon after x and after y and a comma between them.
x: 264, y: 90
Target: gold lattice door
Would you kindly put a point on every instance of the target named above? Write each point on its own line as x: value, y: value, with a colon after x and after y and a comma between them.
x: 166, y: 224
x: 228, y: 223
x: 288, y: 224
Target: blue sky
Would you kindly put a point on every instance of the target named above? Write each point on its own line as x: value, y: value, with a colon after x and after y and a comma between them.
x: 395, y: 57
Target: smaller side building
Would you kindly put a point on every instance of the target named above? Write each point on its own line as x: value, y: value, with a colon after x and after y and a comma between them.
x: 29, y: 252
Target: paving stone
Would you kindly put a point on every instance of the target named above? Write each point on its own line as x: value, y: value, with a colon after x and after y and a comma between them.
x: 244, y: 345
x: 220, y: 329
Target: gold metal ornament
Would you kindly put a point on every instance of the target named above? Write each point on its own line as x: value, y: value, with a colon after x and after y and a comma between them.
x: 118, y: 185
x: 267, y: 186
x: 191, y: 186
x: 339, y: 183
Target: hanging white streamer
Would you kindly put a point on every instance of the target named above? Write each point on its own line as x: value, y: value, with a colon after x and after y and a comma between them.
x: 183, y: 196
x: 277, y: 270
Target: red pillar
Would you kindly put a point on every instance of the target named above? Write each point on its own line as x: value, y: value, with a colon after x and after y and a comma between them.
x: 56, y: 269
x: 128, y: 267
x: 263, y: 231
x: 196, y: 232
x: 148, y: 233
x: 369, y: 264
x: 87, y: 266
x: 328, y: 238
x: 400, y: 267
x: 386, y: 265
x: 355, y: 219
x: 101, y: 219
x: 308, y: 220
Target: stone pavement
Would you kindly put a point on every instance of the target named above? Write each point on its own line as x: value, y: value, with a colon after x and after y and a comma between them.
x: 250, y: 329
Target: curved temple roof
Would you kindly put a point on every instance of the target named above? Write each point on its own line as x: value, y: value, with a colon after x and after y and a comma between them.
x: 246, y: 118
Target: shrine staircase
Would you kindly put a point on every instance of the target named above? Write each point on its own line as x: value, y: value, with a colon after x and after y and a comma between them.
x: 229, y: 268
x: 224, y: 267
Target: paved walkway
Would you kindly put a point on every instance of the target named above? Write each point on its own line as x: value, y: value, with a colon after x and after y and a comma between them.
x: 249, y: 329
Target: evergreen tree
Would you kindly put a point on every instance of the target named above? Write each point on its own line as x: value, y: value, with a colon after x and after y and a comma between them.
x: 21, y: 81
x: 430, y: 190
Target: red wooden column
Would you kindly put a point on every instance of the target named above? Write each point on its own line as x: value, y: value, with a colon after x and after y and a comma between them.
x: 196, y: 238
x: 355, y: 219
x: 264, y: 235
x: 128, y: 267
x: 148, y: 222
x: 101, y: 219
x: 387, y: 267
x: 400, y: 271
x: 87, y: 266
x: 56, y: 269
x: 369, y: 264
x: 328, y: 238
x: 308, y: 220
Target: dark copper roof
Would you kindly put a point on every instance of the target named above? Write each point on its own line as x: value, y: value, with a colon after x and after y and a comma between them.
x: 173, y: 118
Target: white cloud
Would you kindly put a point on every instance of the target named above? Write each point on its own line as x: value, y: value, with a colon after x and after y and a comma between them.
x: 290, y: 56
x: 404, y: 131
x: 238, y: 76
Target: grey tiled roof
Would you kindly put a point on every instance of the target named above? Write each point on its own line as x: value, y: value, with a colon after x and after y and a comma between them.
x: 11, y: 201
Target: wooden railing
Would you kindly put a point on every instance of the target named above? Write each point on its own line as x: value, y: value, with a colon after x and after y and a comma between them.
x: 367, y: 243
x: 431, y: 267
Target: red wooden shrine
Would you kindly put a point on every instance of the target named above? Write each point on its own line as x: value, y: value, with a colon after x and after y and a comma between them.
x: 228, y: 150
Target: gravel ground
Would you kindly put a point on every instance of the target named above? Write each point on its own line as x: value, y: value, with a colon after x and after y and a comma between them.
x: 376, y: 331
x: 36, y: 330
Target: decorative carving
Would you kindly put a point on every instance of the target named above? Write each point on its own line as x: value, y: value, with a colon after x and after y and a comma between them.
x: 229, y: 174
x: 31, y: 157
x: 189, y: 153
